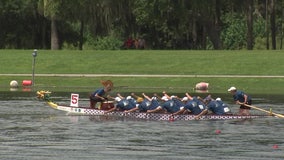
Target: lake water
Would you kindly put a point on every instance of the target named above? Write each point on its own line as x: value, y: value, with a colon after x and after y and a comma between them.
x: 29, y: 130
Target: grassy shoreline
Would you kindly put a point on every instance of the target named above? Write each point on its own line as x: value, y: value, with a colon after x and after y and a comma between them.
x: 147, y: 62
x: 177, y: 85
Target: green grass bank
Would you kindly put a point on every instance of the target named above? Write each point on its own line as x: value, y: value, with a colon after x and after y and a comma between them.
x: 147, y: 62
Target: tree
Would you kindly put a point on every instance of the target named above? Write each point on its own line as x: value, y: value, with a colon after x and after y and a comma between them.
x: 273, y: 24
x: 20, y: 24
x: 212, y: 20
x: 249, y: 11
x: 51, y: 10
x: 164, y: 24
x: 78, y: 18
x: 267, y: 23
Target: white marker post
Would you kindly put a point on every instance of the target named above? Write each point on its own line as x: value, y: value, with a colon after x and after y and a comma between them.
x: 74, y: 101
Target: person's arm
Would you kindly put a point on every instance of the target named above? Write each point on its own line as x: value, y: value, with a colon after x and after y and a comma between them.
x: 132, y: 110
x: 181, y: 111
x: 119, y: 95
x: 201, y: 99
x: 186, y: 112
x: 156, y: 95
x: 188, y: 96
x: 201, y: 114
x: 165, y: 94
x: 238, y: 102
x: 100, y: 94
x: 147, y: 97
x: 240, y: 95
x: 100, y: 97
x: 155, y: 110
x: 246, y: 99
x: 110, y: 97
x: 111, y: 110
x: 134, y: 95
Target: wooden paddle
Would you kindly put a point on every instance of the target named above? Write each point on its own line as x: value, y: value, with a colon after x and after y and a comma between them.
x: 272, y: 113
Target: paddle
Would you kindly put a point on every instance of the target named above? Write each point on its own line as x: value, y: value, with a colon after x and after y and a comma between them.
x: 272, y: 113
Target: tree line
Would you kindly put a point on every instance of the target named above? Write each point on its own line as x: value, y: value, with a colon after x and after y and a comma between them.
x: 161, y: 24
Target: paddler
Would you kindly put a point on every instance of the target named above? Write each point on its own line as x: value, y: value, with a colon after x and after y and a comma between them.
x: 145, y: 105
x: 167, y: 106
x: 122, y: 103
x: 170, y: 104
x: 217, y: 107
x: 193, y: 105
x: 241, y: 98
x: 99, y: 94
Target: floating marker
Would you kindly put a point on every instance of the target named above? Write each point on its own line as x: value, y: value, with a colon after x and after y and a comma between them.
x: 27, y: 83
x: 14, y: 84
x: 171, y: 119
x: 218, y: 131
x: 275, y: 146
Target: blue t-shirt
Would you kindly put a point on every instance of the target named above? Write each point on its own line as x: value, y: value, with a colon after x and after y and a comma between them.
x: 178, y: 102
x: 125, y: 104
x: 132, y: 101
x: 239, y: 96
x: 195, y: 106
x: 100, y: 92
x: 148, y: 105
x: 170, y: 106
x: 218, y: 107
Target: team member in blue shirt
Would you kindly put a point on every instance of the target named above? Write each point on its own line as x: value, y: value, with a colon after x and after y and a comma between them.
x: 241, y: 98
x: 193, y: 105
x: 167, y: 105
x: 217, y: 107
x: 123, y: 104
x: 172, y: 106
x: 98, y: 95
x: 147, y: 104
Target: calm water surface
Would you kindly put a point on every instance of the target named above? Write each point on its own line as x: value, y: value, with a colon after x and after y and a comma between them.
x: 31, y: 131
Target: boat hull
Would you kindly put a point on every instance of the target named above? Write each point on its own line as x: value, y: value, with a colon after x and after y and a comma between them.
x: 145, y: 116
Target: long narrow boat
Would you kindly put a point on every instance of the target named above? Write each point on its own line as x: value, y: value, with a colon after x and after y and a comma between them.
x: 77, y: 110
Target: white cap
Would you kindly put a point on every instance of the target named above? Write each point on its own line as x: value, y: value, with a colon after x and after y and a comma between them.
x: 164, y: 98
x: 232, y: 89
x: 218, y: 99
x: 154, y: 98
x: 117, y: 99
x: 184, y: 99
x: 128, y: 97
x: 173, y: 96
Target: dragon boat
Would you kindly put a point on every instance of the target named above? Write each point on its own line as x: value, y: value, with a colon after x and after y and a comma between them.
x: 74, y: 109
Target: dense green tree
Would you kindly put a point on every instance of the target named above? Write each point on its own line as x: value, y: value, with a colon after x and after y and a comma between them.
x: 51, y: 10
x: 164, y: 24
x: 249, y: 16
x: 18, y: 24
x: 273, y: 23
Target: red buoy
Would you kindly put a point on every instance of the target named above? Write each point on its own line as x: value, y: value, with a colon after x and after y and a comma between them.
x: 218, y: 131
x: 27, y: 83
x: 275, y: 146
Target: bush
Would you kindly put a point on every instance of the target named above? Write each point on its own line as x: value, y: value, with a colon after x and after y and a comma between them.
x: 110, y: 42
x: 234, y: 32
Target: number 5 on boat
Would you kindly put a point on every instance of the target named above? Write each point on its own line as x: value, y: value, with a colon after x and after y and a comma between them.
x: 74, y: 101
